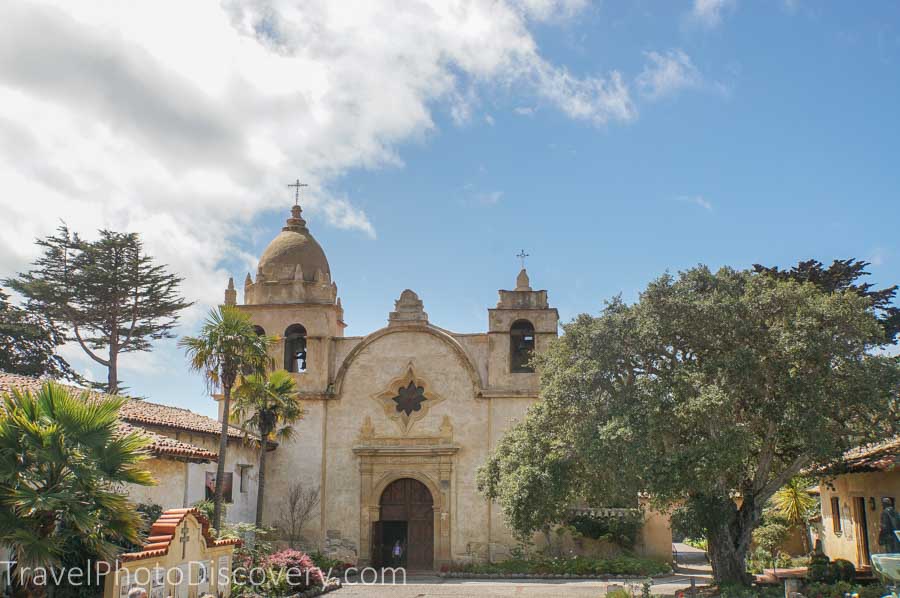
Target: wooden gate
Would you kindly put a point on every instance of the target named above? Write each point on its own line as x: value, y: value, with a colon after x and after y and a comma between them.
x: 410, y: 501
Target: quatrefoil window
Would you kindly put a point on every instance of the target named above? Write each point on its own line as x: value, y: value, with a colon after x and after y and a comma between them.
x: 410, y: 398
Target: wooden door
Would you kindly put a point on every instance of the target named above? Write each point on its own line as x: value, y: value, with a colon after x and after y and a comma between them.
x: 409, y: 500
x: 862, y: 530
x: 377, y: 545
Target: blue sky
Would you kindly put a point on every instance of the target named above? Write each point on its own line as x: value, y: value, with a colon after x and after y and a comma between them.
x: 772, y: 138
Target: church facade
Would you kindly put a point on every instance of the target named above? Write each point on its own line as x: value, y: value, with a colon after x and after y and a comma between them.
x: 398, y: 421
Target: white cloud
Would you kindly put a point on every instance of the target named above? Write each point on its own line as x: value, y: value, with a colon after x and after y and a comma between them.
x: 489, y: 198
x: 697, y: 200
x: 184, y: 121
x: 667, y: 74
x: 524, y: 110
x: 709, y: 13
x: 547, y: 10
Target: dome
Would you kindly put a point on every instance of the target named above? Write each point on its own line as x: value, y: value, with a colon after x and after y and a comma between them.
x: 294, y: 246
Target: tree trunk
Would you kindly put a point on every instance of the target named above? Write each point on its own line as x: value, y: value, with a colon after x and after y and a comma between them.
x: 730, y: 540
x: 807, y: 548
x: 112, y: 372
x: 220, y: 467
x: 261, y: 491
x: 728, y: 560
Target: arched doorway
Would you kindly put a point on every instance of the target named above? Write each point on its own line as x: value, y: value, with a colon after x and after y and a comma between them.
x: 407, y: 516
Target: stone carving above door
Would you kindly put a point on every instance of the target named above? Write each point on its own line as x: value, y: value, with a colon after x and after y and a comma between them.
x: 407, y: 399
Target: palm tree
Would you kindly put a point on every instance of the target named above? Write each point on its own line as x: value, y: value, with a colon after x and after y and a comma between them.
x: 796, y: 505
x: 228, y: 346
x: 63, y: 459
x: 269, y: 407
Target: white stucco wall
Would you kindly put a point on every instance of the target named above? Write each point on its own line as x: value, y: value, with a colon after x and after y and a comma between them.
x: 170, y: 492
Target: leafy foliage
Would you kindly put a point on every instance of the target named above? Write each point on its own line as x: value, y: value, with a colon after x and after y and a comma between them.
x: 843, y: 276
x: 106, y: 294
x: 255, y: 543
x: 795, y: 505
x: 622, y: 531
x: 269, y: 406
x: 770, y: 537
x: 226, y: 347
x: 328, y: 565
x: 150, y: 512
x: 28, y: 343
x: 574, y: 565
x: 713, y: 383
x: 62, y: 461
x: 206, y: 508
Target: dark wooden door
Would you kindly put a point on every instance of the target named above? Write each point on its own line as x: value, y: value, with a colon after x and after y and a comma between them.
x: 377, y: 545
x: 409, y: 500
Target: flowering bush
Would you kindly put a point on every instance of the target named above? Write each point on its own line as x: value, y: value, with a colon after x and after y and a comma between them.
x: 299, y: 564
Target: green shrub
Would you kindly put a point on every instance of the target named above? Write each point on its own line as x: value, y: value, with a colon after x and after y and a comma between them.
x: 206, y: 508
x: 326, y: 564
x: 573, y: 565
x: 820, y: 570
x: 622, y: 531
x: 739, y: 591
x: 700, y: 543
x: 150, y: 512
x: 828, y: 590
x: 873, y: 590
x: 843, y: 570
x: 619, y: 593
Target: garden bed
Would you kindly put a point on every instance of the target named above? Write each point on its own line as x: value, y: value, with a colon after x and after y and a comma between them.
x: 598, y: 577
x: 576, y: 567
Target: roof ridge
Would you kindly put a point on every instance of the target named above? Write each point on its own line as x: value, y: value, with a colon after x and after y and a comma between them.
x: 162, y: 532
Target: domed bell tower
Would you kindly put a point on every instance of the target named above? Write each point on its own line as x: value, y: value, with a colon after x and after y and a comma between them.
x: 294, y: 299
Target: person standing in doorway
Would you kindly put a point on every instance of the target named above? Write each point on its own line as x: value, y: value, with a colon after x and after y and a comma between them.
x: 397, y: 553
x: 890, y: 523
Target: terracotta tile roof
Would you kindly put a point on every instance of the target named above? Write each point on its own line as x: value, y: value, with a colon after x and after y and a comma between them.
x: 880, y: 456
x: 144, y: 413
x: 163, y: 532
x: 164, y: 446
x: 166, y: 416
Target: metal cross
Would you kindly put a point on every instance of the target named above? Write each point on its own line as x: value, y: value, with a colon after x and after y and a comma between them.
x: 185, y: 537
x: 296, y: 186
x: 522, y: 255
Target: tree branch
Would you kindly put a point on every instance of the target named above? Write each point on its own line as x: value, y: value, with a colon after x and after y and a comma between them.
x: 90, y: 353
x: 782, y: 478
x: 765, y: 459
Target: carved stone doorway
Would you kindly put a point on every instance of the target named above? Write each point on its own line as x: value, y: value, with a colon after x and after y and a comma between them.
x: 406, y: 515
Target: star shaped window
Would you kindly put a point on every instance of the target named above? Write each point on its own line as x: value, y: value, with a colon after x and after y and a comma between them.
x: 410, y: 398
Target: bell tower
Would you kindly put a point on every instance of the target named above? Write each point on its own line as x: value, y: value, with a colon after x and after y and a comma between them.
x: 294, y: 299
x: 522, y: 325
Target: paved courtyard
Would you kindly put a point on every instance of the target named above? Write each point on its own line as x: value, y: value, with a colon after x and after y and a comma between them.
x: 433, y: 586
x: 691, y: 565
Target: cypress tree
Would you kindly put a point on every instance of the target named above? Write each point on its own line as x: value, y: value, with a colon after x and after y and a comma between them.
x: 107, y: 295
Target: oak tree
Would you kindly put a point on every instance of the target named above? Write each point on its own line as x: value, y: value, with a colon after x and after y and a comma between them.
x: 708, y: 394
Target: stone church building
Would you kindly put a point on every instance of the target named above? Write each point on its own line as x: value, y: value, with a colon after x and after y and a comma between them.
x: 398, y: 421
